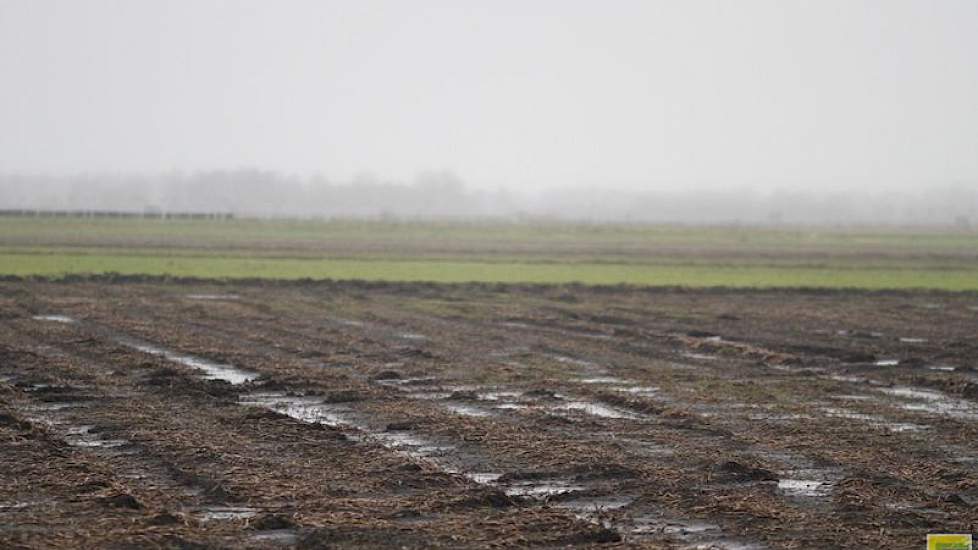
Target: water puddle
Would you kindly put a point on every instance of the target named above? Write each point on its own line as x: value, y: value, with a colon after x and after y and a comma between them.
x: 603, y: 380
x: 943, y: 368
x: 640, y: 391
x: 311, y: 410
x: 849, y: 379
x: 934, y: 402
x: 860, y: 334
x: 808, y: 482
x: 689, y: 533
x: 593, y: 507
x: 540, y: 488
x: 724, y: 545
x: 415, y: 381
x: 468, y: 410
x: 97, y: 443
x: 681, y: 529
x: 699, y: 356
x: 212, y: 370
x: 413, y: 445
x: 914, y: 393
x: 428, y: 395
x: 484, y: 478
x: 285, y: 537
x: 57, y: 406
x: 54, y: 318
x: 225, y: 513
x: 55, y: 416
x: 534, y: 488
x: 595, y: 409
x: 852, y: 397
x: 22, y: 504
x: 413, y: 336
x: 887, y: 362
x: 874, y: 420
x: 213, y: 297
x: 82, y: 436
x: 499, y: 395
x: 913, y: 340
x: 779, y: 417
x: 572, y: 361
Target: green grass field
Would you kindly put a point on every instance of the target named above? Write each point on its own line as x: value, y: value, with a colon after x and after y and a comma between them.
x: 532, y: 253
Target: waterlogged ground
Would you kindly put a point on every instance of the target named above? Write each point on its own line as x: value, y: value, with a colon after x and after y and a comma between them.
x: 354, y: 415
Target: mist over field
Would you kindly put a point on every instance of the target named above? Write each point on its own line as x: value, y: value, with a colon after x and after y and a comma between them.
x: 444, y: 196
x: 759, y: 112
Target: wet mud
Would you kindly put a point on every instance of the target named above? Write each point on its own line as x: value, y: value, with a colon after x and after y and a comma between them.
x: 183, y: 414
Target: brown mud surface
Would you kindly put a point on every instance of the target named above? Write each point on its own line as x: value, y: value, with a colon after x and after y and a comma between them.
x: 342, y: 415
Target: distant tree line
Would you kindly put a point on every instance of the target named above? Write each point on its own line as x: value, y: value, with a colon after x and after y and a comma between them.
x: 42, y: 213
x: 443, y: 195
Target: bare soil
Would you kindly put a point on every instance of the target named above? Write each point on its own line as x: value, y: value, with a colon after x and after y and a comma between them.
x: 192, y: 414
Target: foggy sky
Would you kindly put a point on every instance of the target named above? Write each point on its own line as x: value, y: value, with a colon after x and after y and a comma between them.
x: 643, y: 95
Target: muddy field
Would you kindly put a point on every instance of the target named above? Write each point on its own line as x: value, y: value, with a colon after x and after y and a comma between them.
x: 315, y: 415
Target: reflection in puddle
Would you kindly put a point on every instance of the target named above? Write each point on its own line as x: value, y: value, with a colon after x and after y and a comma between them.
x: 700, y: 356
x: 214, y: 371
x: 219, y: 513
x: 499, y: 395
x: 468, y: 410
x: 276, y: 536
x: 81, y: 436
x: 414, y: 381
x: 914, y: 393
x: 603, y: 380
x: 57, y: 406
x: 484, y: 478
x: 779, y: 417
x: 852, y: 397
x: 682, y: 529
x: 20, y: 505
x: 536, y: 488
x: 935, y: 402
x: 212, y: 296
x: 572, y: 361
x: 874, y: 420
x: 428, y: 395
x: 595, y: 409
x: 311, y: 410
x: 540, y: 488
x: 591, y: 506
x: 54, y: 318
x: 850, y: 379
x: 640, y: 391
x: 804, y: 487
x: 690, y: 533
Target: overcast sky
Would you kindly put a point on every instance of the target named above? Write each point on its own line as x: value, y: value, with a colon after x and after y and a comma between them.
x: 530, y: 94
